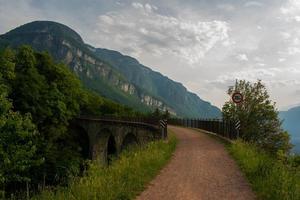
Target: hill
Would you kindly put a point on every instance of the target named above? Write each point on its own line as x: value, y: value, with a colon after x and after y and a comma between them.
x: 291, y: 123
x: 109, y: 73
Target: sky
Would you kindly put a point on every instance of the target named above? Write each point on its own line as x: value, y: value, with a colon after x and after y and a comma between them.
x: 204, y: 44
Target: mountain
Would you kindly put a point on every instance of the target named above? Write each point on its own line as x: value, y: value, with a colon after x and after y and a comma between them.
x: 156, y: 84
x: 291, y: 123
x: 109, y: 73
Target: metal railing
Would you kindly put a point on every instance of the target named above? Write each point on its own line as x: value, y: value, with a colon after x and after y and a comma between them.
x: 220, y: 127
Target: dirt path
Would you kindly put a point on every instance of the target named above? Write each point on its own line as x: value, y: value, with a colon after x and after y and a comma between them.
x: 200, y: 169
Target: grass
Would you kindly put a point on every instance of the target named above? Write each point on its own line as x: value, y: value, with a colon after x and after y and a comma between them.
x: 124, y: 179
x: 270, y: 178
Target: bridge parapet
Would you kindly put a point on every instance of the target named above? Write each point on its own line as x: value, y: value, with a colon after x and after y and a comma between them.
x: 109, y: 136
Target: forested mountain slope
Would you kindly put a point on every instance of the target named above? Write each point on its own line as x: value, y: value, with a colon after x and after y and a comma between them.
x: 109, y: 73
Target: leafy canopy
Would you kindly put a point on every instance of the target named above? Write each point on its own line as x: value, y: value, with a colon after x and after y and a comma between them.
x: 258, y: 115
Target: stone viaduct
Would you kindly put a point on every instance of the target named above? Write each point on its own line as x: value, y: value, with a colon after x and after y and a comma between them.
x: 101, y: 139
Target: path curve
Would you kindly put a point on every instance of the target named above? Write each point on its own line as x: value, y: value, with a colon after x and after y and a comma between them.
x: 200, y: 169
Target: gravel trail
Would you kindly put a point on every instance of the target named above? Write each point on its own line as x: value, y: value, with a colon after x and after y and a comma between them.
x: 200, y: 169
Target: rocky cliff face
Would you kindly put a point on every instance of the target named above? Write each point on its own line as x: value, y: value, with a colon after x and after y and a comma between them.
x: 126, y: 82
x: 184, y: 102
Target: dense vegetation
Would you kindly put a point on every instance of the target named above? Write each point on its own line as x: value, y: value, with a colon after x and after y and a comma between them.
x: 123, y: 179
x: 38, y: 99
x: 258, y: 116
x: 271, y: 178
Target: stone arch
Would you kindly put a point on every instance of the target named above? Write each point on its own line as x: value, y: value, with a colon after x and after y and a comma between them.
x: 111, y: 148
x: 129, y: 140
x: 104, y: 145
x: 80, y: 136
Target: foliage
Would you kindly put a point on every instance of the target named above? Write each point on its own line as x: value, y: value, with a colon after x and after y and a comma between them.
x: 124, y: 179
x: 94, y: 105
x: 258, y: 116
x: 38, y: 100
x: 51, y: 94
x: 271, y: 179
x: 159, y: 114
x: 18, y: 150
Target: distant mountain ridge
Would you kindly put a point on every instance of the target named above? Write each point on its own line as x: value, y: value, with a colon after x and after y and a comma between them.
x: 291, y: 123
x: 109, y: 73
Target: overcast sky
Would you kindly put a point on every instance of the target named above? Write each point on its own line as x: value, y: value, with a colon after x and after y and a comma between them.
x: 205, y: 44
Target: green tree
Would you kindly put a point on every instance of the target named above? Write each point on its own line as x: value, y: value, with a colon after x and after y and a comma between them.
x: 7, y: 67
x: 258, y: 115
x: 51, y: 93
x: 18, y: 144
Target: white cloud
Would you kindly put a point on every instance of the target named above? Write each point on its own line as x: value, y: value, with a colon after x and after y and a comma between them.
x: 242, y: 57
x: 158, y: 34
x: 137, y: 5
x: 258, y: 59
x: 270, y: 76
x: 226, y: 7
x: 297, y: 18
x: 291, y: 10
x: 293, y: 50
x: 253, y: 3
x: 285, y: 35
x: 145, y: 8
x: 281, y: 59
x: 261, y: 64
x: 106, y: 19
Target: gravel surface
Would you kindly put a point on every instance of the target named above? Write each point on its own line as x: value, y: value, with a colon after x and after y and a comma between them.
x: 199, y: 169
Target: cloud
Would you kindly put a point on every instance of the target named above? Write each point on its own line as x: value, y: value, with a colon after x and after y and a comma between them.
x: 158, y: 34
x: 17, y: 14
x: 242, y: 57
x: 292, y: 7
x: 226, y: 7
x: 253, y: 4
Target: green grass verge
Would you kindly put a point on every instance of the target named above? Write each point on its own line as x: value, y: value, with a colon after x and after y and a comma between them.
x: 125, y: 178
x: 270, y: 178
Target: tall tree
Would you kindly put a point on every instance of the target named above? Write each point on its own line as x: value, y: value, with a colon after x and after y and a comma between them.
x: 18, y: 143
x: 51, y: 93
x: 258, y: 115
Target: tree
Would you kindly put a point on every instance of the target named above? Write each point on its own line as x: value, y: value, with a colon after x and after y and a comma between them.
x: 166, y: 115
x: 51, y: 94
x: 18, y: 144
x: 258, y: 115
